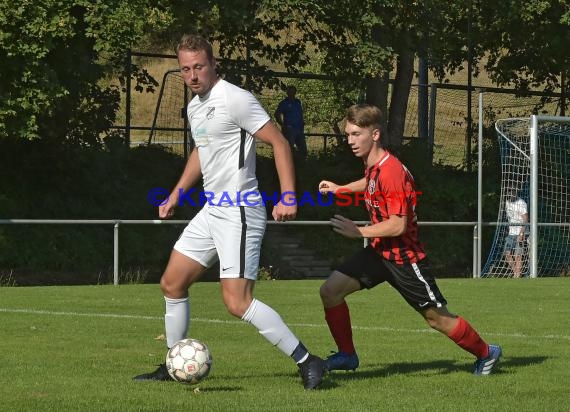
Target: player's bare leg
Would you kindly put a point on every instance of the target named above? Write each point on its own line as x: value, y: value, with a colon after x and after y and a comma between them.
x: 336, y: 288
x: 517, y: 268
x: 239, y: 300
x: 440, y: 319
x: 511, y: 262
x: 237, y: 295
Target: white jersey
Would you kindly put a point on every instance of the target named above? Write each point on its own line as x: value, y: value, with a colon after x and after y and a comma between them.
x: 515, y: 211
x: 223, y: 123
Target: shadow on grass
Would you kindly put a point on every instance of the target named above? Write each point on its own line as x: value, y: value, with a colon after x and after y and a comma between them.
x: 521, y: 361
x: 438, y: 366
x: 208, y: 389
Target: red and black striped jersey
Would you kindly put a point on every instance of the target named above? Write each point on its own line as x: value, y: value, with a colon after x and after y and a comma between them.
x: 390, y: 190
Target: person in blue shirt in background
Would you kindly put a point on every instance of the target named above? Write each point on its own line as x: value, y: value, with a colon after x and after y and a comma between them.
x: 289, y: 115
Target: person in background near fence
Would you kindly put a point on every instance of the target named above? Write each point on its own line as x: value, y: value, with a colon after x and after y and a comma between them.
x: 394, y: 253
x: 517, y: 213
x: 289, y: 115
x: 224, y: 120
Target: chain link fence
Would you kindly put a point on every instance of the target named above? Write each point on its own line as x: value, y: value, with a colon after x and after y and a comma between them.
x: 159, y: 118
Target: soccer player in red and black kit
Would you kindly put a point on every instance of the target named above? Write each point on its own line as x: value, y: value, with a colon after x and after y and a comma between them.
x: 394, y: 253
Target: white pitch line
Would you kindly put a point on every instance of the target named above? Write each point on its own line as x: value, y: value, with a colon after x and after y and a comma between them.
x: 235, y: 322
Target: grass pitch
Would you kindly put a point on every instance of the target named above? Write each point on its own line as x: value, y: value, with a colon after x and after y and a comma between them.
x: 76, y: 348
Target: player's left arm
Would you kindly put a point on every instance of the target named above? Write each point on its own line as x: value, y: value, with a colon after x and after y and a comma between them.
x: 396, y: 194
x: 286, y: 208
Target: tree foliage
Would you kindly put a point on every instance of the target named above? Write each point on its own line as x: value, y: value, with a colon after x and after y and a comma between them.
x: 55, y: 55
x: 364, y: 42
x: 527, y: 42
x: 359, y: 42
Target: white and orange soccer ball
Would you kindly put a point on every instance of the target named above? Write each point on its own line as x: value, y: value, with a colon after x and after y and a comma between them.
x: 189, y: 361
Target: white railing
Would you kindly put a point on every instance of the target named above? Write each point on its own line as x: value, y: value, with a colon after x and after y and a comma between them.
x: 117, y: 222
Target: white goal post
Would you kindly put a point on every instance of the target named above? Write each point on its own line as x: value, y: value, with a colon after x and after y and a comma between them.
x: 532, y: 237
x: 560, y: 127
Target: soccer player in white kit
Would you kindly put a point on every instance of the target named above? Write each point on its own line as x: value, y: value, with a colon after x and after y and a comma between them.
x: 225, y: 120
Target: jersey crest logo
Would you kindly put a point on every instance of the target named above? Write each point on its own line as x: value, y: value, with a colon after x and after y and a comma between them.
x: 371, y: 186
x: 210, y: 112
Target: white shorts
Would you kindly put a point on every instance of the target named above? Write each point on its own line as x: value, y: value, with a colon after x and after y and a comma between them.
x: 231, y: 234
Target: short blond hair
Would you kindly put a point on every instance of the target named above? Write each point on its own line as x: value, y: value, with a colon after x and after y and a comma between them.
x: 195, y: 42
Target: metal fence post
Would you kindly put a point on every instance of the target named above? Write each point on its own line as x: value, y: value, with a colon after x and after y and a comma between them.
x: 431, y: 121
x: 534, y: 196
x: 423, y: 100
x: 475, y: 250
x: 116, y: 253
x: 185, y: 122
x: 129, y: 68
x: 480, y: 186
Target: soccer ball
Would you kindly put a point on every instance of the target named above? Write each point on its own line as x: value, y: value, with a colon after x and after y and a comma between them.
x: 188, y: 361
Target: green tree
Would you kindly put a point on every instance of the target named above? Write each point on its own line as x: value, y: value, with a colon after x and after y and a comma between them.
x: 374, y: 40
x: 250, y: 36
x: 360, y: 42
x: 55, y: 57
x: 527, y: 42
x: 364, y: 42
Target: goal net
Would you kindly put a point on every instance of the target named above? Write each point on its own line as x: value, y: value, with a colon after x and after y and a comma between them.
x: 170, y: 125
x: 532, y: 237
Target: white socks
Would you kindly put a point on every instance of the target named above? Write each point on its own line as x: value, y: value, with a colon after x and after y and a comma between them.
x: 176, y: 319
x: 272, y: 327
x: 264, y: 318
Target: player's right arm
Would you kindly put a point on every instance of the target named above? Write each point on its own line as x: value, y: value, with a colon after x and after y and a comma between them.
x: 524, y: 218
x: 327, y: 186
x: 190, y: 176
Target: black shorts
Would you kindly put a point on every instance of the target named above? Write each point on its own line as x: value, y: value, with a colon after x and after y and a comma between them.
x: 413, y: 281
